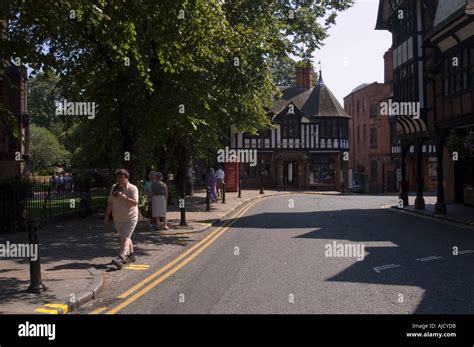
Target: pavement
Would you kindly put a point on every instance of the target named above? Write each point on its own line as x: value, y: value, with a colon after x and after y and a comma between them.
x: 456, y: 213
x: 75, y: 255
x: 274, y: 257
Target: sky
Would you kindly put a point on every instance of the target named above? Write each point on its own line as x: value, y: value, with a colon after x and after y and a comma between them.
x: 353, y: 52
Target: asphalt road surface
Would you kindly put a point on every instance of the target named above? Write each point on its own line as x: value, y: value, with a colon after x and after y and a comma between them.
x: 298, y: 254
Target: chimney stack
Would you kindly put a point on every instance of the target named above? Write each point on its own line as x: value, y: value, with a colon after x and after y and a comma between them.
x: 304, y: 76
x: 388, y: 66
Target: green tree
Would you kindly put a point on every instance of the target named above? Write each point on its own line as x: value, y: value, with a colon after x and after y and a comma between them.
x: 45, y: 150
x: 43, y: 93
x: 168, y: 76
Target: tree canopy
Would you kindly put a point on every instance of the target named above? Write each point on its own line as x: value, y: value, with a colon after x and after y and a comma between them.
x: 45, y: 150
x: 168, y: 77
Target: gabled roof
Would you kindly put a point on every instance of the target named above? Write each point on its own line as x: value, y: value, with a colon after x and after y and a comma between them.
x: 447, y: 8
x: 359, y: 87
x: 448, y: 12
x: 318, y: 101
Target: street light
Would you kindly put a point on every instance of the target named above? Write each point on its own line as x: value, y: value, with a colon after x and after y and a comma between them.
x: 262, y: 168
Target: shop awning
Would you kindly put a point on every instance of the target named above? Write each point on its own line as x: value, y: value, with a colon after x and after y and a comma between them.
x: 410, y: 127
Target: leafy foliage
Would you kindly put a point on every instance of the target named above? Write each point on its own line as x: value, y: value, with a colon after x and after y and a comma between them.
x: 45, y: 150
x: 169, y: 77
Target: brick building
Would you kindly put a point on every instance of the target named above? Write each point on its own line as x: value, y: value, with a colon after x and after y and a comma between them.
x: 13, y: 96
x: 370, y: 163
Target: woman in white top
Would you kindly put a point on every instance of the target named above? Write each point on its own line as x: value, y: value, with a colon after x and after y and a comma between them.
x: 159, y: 201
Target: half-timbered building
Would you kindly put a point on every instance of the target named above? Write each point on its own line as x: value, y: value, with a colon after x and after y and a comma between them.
x: 449, y: 56
x: 306, y: 144
x: 409, y: 21
x: 433, y: 43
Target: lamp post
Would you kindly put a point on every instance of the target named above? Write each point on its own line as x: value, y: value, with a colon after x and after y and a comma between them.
x: 262, y: 167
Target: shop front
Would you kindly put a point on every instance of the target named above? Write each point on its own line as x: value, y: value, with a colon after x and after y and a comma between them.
x: 324, y: 171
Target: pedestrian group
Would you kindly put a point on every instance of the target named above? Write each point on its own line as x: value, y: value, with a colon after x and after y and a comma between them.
x: 122, y: 204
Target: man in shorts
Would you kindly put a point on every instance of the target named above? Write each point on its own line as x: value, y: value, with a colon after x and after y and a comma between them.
x: 123, y: 204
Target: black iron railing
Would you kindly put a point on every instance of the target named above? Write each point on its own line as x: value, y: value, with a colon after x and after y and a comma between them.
x: 22, y: 200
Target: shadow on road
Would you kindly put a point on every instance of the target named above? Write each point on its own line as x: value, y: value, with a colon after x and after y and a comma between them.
x: 401, y: 239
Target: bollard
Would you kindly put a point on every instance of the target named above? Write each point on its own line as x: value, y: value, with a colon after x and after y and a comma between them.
x: 36, y: 284
x: 223, y: 192
x: 240, y: 189
x: 182, y: 207
x: 208, y: 199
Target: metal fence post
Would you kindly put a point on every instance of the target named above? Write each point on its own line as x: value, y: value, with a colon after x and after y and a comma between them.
x: 240, y: 189
x: 182, y: 207
x: 223, y: 192
x: 36, y: 284
x: 208, y: 199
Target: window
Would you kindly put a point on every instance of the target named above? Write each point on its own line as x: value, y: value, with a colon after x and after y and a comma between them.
x: 358, y: 133
x: 322, y: 170
x: 373, y: 169
x: 404, y: 83
x: 403, y: 21
x: 333, y: 132
x: 373, y: 109
x: 365, y: 132
x: 290, y: 128
x: 458, y: 71
x: 343, y: 128
x: 358, y: 108
x: 373, y: 137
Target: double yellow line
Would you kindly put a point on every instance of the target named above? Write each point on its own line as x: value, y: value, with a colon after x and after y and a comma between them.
x: 145, y: 286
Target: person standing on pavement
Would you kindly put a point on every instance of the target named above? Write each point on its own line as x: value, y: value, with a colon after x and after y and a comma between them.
x: 220, y: 175
x: 123, y: 204
x: 159, y: 201
x: 149, y: 195
x: 210, y: 181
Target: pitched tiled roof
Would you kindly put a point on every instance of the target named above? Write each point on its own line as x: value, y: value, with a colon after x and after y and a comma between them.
x: 318, y: 101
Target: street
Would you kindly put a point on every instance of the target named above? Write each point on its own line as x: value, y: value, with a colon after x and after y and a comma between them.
x: 273, y: 259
